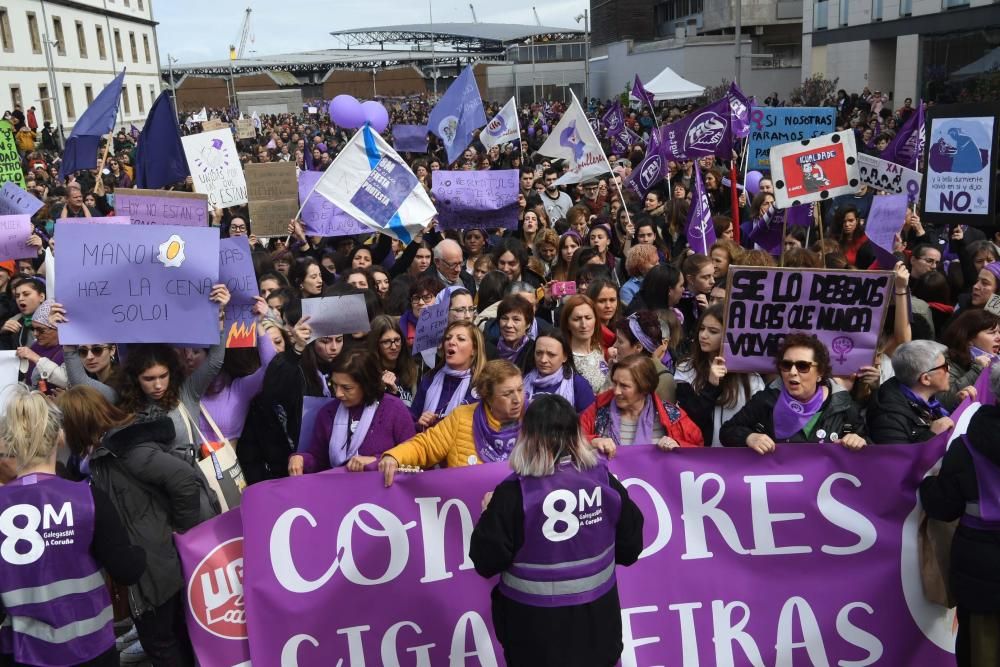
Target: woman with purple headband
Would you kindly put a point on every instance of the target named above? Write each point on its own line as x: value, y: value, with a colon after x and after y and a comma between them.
x: 640, y: 333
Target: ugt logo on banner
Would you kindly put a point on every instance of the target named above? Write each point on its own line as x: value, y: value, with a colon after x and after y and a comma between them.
x: 215, y: 592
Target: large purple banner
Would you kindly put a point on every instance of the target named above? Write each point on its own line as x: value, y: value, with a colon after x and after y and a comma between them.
x: 805, y: 556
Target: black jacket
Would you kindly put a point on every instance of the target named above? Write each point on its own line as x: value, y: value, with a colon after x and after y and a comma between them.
x: 840, y: 416
x: 975, y: 554
x: 156, y: 494
x: 894, y: 419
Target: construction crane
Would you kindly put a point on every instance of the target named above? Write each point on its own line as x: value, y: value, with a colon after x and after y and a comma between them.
x: 473, y: 10
x: 538, y: 21
x: 244, y: 34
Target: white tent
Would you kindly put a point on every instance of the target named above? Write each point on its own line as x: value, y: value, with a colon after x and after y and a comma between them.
x: 668, y: 85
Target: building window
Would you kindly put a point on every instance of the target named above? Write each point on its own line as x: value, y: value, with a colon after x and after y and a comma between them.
x: 145, y: 48
x: 876, y: 10
x: 152, y: 94
x: 58, y: 34
x: 128, y: 108
x: 81, y: 39
x: 68, y: 99
x: 138, y: 97
x: 845, y: 11
x: 36, y: 39
x: 141, y: 7
x: 905, y: 7
x: 6, y: 39
x: 101, y: 50
x: 15, y: 97
x: 821, y: 15
x: 118, y: 45
x: 88, y: 92
x: 951, y: 4
x: 43, y: 97
x: 131, y: 43
x: 127, y: 3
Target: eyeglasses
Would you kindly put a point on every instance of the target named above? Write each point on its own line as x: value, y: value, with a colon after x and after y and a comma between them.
x: 936, y: 368
x: 427, y: 298
x: 96, y: 350
x: 451, y: 266
x: 786, y: 365
x: 391, y: 342
x: 470, y: 310
x: 237, y: 228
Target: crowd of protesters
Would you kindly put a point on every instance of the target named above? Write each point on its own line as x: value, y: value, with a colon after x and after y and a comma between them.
x: 595, y: 296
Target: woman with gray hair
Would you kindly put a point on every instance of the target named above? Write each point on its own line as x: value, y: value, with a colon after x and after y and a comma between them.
x: 906, y: 409
x: 968, y: 489
x: 570, y: 613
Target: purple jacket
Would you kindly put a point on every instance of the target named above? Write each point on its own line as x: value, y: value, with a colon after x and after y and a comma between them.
x: 392, y: 425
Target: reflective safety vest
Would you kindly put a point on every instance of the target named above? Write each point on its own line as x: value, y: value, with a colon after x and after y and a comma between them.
x: 568, y: 555
x: 51, y: 588
x: 985, y: 514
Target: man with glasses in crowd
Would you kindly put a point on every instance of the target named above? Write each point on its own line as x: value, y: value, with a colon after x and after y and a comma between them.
x: 449, y: 266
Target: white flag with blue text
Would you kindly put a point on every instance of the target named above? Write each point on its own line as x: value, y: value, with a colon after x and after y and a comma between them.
x: 503, y: 128
x: 372, y: 184
x: 574, y: 141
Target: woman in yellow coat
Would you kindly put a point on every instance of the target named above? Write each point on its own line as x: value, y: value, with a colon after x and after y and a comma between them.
x: 482, y: 432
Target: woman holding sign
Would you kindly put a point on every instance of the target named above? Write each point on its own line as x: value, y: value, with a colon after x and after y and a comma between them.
x: 557, y: 599
x: 809, y: 406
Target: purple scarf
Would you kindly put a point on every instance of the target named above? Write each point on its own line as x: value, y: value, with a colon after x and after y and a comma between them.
x: 643, y: 426
x: 492, y: 445
x: 791, y: 416
x: 508, y: 353
x: 433, y: 396
x: 933, y: 406
x: 556, y: 383
x: 344, y: 441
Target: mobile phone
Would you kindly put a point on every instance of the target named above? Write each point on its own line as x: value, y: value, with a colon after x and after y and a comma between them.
x: 563, y: 288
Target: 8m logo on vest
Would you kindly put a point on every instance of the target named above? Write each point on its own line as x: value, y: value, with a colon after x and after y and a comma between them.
x: 19, y: 524
x: 563, y: 523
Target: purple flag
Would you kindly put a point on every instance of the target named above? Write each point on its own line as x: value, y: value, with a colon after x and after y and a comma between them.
x: 339, y: 567
x: 739, y: 107
x: 623, y: 140
x: 706, y: 131
x: 906, y: 147
x: 700, y: 228
x: 458, y: 114
x: 613, y: 119
x: 134, y: 131
x: 647, y: 174
x: 640, y: 93
x: 409, y: 138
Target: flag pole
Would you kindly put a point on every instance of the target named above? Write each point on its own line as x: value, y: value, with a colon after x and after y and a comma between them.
x: 607, y: 162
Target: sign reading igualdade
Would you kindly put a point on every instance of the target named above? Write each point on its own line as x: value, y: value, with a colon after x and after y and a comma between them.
x: 845, y: 309
x: 736, y: 568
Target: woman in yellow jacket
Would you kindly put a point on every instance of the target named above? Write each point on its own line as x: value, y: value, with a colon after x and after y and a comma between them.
x: 482, y: 432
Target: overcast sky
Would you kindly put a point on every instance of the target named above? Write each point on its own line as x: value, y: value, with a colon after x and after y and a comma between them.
x: 192, y: 31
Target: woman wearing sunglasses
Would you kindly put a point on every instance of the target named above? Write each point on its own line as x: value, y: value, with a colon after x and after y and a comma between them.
x: 94, y: 362
x: 808, y: 407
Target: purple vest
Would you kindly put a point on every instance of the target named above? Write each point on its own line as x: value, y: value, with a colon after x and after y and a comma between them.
x: 984, y: 515
x: 568, y: 555
x: 55, y: 596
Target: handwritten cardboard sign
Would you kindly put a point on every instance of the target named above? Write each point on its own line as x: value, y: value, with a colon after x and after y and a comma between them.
x: 215, y: 168
x: 336, y: 315
x: 236, y: 273
x: 319, y: 215
x: 245, y: 129
x: 814, y: 170
x: 844, y: 309
x: 10, y: 161
x: 476, y: 199
x: 14, y: 233
x: 213, y: 124
x: 274, y: 197
x: 431, y: 324
x: 15, y: 200
x: 137, y: 284
x: 162, y: 207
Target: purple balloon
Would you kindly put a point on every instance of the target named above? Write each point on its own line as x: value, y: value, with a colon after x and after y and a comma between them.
x: 753, y: 182
x: 346, y: 111
x: 375, y: 114
x: 531, y: 130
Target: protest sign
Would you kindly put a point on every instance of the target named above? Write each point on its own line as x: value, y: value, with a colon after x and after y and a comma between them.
x: 14, y: 200
x: 845, y: 309
x: 212, y: 561
x: 885, y: 220
x: 993, y: 305
x: 961, y: 164
x: 336, y: 315
x: 409, y: 138
x: 215, y: 168
x: 274, y: 197
x: 771, y: 126
x: 236, y: 273
x: 889, y: 176
x: 137, y: 284
x: 431, y: 324
x: 109, y: 220
x: 213, y: 124
x: 476, y: 199
x: 245, y: 129
x: 319, y: 215
x: 312, y: 542
x: 814, y: 169
x: 9, y: 371
x: 311, y: 405
x: 10, y: 161
x: 162, y: 207
x: 14, y: 233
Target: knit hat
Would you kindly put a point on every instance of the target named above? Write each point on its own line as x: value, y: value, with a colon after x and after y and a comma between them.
x: 41, y: 314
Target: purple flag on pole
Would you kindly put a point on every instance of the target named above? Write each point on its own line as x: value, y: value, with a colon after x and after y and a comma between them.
x: 707, y: 131
x: 640, y: 93
x: 623, y: 140
x: 739, y: 107
x: 458, y: 114
x: 700, y: 228
x: 613, y: 119
x: 648, y: 173
x: 908, y: 144
x: 134, y: 131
